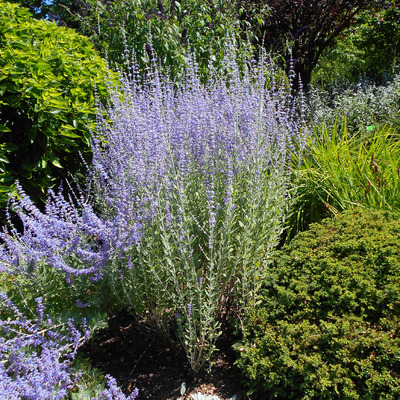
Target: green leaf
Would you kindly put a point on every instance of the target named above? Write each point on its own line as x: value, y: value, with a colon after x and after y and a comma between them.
x: 31, y: 134
x: 42, y: 65
x: 70, y: 143
x: 5, y: 189
x: 56, y: 163
x: 183, y: 388
x: 69, y: 134
x: 4, y: 128
x: 9, y: 147
x: 55, y: 111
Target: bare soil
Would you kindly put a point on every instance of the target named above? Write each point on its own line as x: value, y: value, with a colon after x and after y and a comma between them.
x: 138, y: 358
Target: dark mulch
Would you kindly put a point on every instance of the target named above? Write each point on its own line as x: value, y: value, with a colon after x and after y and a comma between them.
x: 138, y: 357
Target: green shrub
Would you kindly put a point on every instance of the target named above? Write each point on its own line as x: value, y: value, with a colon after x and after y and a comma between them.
x: 165, y: 30
x: 47, y: 80
x: 328, y: 327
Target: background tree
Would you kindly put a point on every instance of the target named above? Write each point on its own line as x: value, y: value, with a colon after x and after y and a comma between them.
x: 369, y: 48
x: 60, y: 11
x: 300, y: 29
x: 167, y: 30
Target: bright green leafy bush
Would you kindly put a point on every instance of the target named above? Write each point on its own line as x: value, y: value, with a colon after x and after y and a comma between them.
x: 47, y: 80
x: 328, y: 327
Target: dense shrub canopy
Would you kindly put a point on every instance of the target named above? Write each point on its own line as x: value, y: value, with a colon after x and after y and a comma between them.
x: 48, y: 75
x: 166, y: 30
x: 370, y: 47
x: 329, y: 324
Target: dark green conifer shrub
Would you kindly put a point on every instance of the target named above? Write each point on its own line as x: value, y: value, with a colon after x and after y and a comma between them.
x: 329, y: 324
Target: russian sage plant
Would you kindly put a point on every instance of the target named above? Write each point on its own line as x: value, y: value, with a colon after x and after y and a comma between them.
x: 35, y: 357
x: 203, y: 170
x: 34, y: 361
x: 190, y: 189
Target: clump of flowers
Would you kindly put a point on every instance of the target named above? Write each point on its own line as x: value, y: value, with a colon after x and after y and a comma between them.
x: 189, y: 194
x: 113, y: 392
x: 35, y: 357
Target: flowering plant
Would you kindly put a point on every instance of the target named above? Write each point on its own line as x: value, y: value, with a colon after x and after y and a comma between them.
x: 36, y: 357
x: 188, y: 199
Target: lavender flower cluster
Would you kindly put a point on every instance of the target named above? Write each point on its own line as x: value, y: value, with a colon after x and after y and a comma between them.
x: 65, y: 231
x: 186, y: 182
x: 149, y: 136
x: 113, y: 392
x: 154, y: 139
x: 35, y: 358
x: 35, y: 361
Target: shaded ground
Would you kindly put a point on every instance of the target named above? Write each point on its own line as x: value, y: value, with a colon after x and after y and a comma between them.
x: 138, y: 358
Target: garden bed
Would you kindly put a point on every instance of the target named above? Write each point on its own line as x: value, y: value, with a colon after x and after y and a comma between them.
x: 139, y: 358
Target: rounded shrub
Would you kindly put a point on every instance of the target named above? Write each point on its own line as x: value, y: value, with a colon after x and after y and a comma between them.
x: 47, y: 80
x: 328, y: 327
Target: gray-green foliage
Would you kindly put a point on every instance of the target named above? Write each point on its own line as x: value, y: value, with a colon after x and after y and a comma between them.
x: 362, y: 104
x: 91, y: 382
x: 328, y: 326
x: 47, y: 81
x: 200, y: 396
